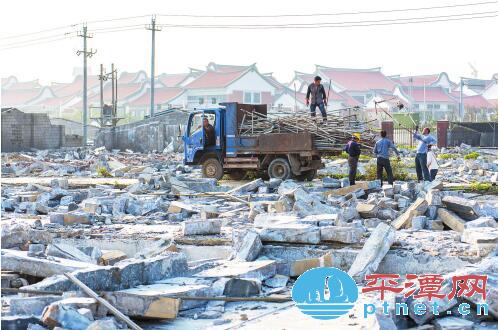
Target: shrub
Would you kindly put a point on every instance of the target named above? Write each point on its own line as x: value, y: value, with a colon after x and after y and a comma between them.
x: 399, y: 171
x: 447, y: 156
x: 103, y: 172
x: 483, y: 187
x: 472, y: 155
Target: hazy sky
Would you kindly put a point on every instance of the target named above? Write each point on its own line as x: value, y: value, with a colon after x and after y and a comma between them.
x: 399, y: 49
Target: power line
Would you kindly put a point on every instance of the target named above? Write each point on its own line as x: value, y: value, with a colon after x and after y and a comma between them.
x: 331, y: 14
x: 325, y: 25
x: 37, y: 39
x: 38, y: 32
x: 37, y: 43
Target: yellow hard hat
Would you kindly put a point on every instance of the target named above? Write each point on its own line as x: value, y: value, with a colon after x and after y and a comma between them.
x: 357, y: 135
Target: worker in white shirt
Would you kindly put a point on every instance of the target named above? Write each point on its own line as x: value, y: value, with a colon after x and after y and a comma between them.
x: 432, y: 164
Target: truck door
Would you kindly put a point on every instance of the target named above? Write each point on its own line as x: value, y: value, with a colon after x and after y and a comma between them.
x: 194, y: 140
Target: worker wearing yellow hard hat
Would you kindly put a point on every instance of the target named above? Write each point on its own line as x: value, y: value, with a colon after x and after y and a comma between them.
x: 357, y: 136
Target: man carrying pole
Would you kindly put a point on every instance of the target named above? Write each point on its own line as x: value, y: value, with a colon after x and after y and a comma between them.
x: 421, y: 158
x: 381, y: 151
x: 354, y: 151
x: 318, y: 98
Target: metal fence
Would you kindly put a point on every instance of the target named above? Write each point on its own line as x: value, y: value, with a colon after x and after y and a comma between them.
x: 474, y: 134
x: 402, y: 137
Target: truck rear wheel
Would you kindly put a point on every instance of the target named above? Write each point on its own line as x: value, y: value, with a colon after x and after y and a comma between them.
x: 211, y: 168
x: 307, y: 176
x: 237, y: 174
x: 279, y: 168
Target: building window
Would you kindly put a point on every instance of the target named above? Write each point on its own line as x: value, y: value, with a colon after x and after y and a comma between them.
x: 430, y: 106
x: 416, y: 106
x: 201, y: 100
x: 213, y: 100
x: 252, y: 97
x: 437, y: 106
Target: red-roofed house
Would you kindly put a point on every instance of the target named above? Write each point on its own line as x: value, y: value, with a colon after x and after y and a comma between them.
x: 132, y: 77
x: 430, y: 80
x: 177, y: 79
x: 491, y: 91
x: 388, y: 103
x: 301, y: 81
x: 75, y: 88
x: 22, y: 98
x: 227, y: 67
x: 245, y: 86
x: 9, y: 81
x: 15, y: 84
x: 164, y: 97
x: 431, y: 102
x: 358, y: 83
x: 476, y: 107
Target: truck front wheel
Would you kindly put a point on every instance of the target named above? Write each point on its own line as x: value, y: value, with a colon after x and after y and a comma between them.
x: 279, y: 168
x: 211, y: 168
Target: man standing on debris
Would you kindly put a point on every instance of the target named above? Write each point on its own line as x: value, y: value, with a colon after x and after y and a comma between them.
x: 318, y: 98
x: 421, y: 158
x: 432, y: 164
x: 381, y: 151
x: 354, y: 151
x: 208, y: 132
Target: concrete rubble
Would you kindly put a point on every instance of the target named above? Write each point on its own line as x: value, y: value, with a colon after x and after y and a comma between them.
x: 153, y: 238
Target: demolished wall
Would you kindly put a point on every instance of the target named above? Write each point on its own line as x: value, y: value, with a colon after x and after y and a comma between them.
x: 146, y: 135
x: 22, y: 131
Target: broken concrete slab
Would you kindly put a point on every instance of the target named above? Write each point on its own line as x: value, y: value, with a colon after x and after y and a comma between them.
x: 417, y: 208
x: 266, y: 219
x: 201, y: 227
x: 67, y: 251
x: 452, y: 323
x: 347, y: 190
x: 451, y: 220
x: 277, y: 281
x: 482, y: 222
x: 158, y: 300
x: 259, y: 269
x: 16, y: 235
x: 295, y: 233
x: 347, y: 235
x: 294, y: 261
x: 249, y: 247
x: 373, y: 251
x: 329, y: 219
x: 19, y: 261
x: 77, y: 217
x: 464, y: 207
x: 14, y: 322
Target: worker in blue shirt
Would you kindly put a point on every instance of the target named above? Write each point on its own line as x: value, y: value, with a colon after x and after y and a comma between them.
x: 381, y: 151
x: 421, y: 158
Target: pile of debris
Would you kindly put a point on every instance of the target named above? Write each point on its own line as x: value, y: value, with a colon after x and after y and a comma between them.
x: 155, y: 241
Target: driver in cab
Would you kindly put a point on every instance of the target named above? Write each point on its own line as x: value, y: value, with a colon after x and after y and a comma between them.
x: 208, y: 132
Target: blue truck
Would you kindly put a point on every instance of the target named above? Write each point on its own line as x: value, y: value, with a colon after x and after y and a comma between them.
x: 276, y: 155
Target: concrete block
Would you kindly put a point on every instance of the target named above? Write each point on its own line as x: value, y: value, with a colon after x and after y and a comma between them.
x: 465, y: 208
x: 58, y: 315
x: 16, y: 322
x: 291, y: 233
x: 419, y: 222
x: 435, y: 225
x: 417, y: 208
x: 367, y: 210
x: 482, y: 222
x: 451, y: 220
x: 77, y: 217
x: 111, y: 257
x: 341, y: 234
x: 277, y: 281
x: 31, y: 305
x: 250, y: 247
x: 266, y: 219
x: 242, y: 287
x: 201, y: 227
x: 103, y: 324
x: 373, y: 251
x: 294, y: 261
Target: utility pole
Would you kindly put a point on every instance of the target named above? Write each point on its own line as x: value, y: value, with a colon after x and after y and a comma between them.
x: 84, y: 34
x: 153, y: 28
x: 102, y: 77
x: 460, y: 104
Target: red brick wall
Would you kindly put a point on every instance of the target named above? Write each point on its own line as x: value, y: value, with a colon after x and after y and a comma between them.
x: 388, y: 126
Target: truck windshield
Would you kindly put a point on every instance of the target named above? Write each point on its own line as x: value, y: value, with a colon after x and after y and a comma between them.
x: 196, y: 123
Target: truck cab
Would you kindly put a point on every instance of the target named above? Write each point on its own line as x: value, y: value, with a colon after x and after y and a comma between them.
x: 234, y: 152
